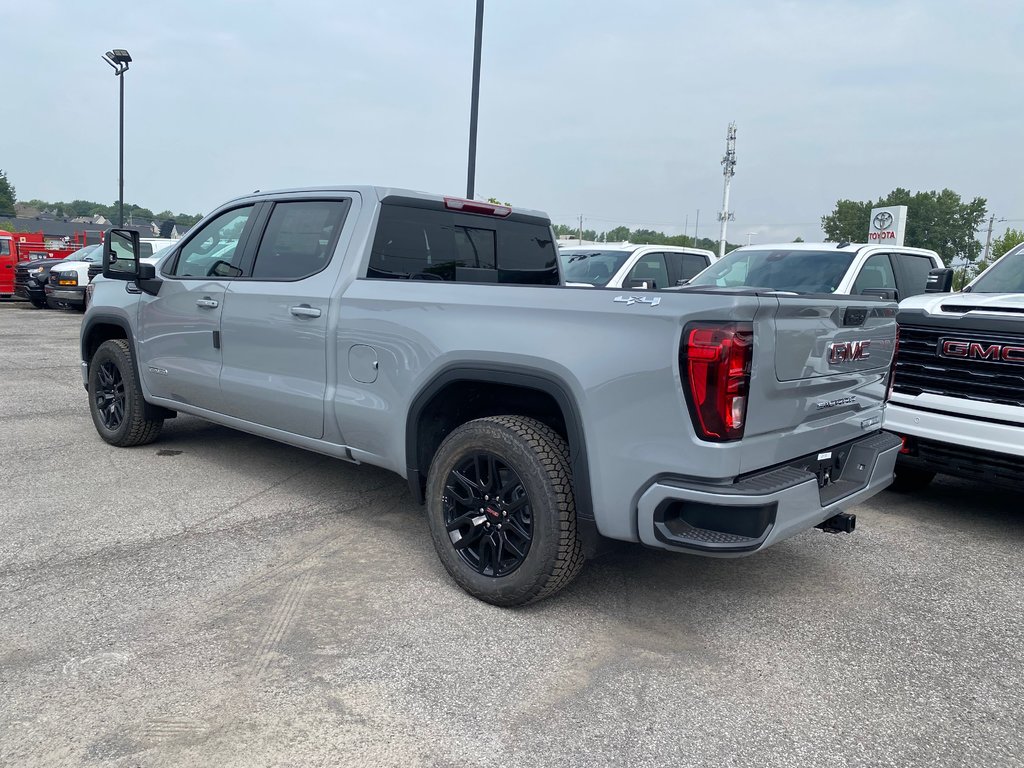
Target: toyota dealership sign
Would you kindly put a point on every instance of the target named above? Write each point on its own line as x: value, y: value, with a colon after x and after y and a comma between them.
x: 887, y: 225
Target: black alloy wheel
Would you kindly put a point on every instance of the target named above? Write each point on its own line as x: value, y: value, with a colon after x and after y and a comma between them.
x: 488, y: 515
x: 109, y: 395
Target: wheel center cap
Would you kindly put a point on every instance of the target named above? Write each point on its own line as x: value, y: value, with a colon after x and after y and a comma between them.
x: 492, y: 512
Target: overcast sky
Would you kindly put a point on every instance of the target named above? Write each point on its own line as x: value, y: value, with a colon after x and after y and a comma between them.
x: 616, y: 110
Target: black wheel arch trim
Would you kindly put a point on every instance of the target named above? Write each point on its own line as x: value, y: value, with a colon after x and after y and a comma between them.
x: 509, y: 375
x: 151, y: 411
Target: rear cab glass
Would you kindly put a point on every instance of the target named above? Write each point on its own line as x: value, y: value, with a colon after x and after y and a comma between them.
x: 425, y: 241
x: 797, y: 271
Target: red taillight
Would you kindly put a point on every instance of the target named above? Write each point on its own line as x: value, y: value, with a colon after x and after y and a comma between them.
x: 472, y: 206
x: 717, y: 359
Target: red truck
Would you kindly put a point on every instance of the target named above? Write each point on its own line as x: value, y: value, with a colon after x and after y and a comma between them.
x: 27, y: 246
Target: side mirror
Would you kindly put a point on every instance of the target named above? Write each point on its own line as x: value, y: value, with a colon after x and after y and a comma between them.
x: 121, y: 255
x: 884, y: 293
x: 639, y: 284
x: 939, y: 281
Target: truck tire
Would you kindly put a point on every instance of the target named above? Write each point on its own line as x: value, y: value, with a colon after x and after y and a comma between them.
x: 115, y: 397
x: 910, y: 479
x: 39, y: 303
x: 502, y: 512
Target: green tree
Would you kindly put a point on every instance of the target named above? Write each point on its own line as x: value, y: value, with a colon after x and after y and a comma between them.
x: 1002, y: 244
x: 7, y: 195
x: 798, y: 239
x: 617, y: 235
x: 941, y: 221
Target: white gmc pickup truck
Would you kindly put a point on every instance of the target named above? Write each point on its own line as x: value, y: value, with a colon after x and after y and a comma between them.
x: 957, y: 398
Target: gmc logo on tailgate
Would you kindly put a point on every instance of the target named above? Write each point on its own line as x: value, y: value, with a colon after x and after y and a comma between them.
x: 848, y: 351
x: 979, y: 350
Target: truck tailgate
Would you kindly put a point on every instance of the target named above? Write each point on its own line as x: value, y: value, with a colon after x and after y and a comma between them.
x: 820, y: 372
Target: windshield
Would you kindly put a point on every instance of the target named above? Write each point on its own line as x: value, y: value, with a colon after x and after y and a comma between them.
x: 88, y: 253
x: 1005, y: 276
x: 593, y: 267
x: 780, y: 270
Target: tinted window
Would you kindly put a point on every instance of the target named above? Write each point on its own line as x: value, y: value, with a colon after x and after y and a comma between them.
x: 649, y: 272
x: 210, y: 252
x: 5, y: 247
x: 687, y: 265
x: 876, y: 273
x: 145, y: 250
x: 780, y: 270
x: 299, y: 239
x: 594, y: 267
x: 916, y: 269
x: 1005, y: 276
x: 424, y: 244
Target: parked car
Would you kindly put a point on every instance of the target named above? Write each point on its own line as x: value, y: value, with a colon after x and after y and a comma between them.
x: 430, y: 336
x: 65, y: 287
x: 891, y: 272
x: 957, y: 395
x: 32, y: 277
x: 634, y: 267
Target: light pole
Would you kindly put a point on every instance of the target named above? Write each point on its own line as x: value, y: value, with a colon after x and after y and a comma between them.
x: 119, y: 59
x: 475, y: 101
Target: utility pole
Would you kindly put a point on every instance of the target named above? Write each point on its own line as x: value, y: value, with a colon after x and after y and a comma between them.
x: 696, y: 226
x: 581, y: 229
x: 474, y: 105
x: 728, y: 170
x: 988, y: 238
x: 686, y: 228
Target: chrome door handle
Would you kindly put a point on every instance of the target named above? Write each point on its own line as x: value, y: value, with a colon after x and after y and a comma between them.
x: 207, y: 302
x: 304, y: 310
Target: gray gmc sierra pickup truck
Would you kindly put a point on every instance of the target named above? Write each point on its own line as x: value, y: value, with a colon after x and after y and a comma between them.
x: 432, y: 336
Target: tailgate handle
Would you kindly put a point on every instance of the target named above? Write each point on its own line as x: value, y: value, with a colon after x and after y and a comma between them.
x: 855, y: 316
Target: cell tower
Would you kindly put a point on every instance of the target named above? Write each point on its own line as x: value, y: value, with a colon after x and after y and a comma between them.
x: 728, y: 170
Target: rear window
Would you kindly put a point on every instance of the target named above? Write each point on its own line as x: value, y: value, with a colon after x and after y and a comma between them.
x: 779, y: 270
x: 425, y: 244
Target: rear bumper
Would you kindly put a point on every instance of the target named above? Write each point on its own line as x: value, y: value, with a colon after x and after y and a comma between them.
x: 756, y: 511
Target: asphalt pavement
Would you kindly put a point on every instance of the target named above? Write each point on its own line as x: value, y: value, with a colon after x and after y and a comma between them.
x: 219, y: 599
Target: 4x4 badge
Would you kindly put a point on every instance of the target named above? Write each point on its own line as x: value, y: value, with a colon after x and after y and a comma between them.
x: 652, y: 300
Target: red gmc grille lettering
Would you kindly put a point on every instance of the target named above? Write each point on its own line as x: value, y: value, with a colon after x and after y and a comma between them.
x: 976, y: 350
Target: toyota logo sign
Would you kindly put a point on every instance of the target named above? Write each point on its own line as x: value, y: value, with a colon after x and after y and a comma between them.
x: 883, y: 220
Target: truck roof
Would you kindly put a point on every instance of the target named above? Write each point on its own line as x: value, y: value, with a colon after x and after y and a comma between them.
x: 840, y: 247
x: 370, y: 191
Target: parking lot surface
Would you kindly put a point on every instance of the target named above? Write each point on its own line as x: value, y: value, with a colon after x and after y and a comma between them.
x: 219, y: 599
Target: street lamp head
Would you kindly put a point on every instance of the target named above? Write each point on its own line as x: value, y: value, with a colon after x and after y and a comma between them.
x: 118, y: 59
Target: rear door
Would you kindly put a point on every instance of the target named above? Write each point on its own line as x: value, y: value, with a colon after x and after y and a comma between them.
x: 275, y: 319
x: 179, y: 329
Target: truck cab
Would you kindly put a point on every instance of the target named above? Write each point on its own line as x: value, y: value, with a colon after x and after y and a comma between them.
x: 889, y: 272
x: 630, y: 266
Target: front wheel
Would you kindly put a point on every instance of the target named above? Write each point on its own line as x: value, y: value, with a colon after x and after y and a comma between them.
x: 115, y: 397
x: 502, y: 512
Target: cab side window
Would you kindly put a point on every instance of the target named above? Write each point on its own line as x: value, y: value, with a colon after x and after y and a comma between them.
x: 876, y: 273
x: 211, y: 251
x: 650, y: 269
x: 915, y: 273
x: 299, y: 239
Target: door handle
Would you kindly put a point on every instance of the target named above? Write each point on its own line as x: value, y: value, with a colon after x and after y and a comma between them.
x: 207, y: 302
x: 304, y: 310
